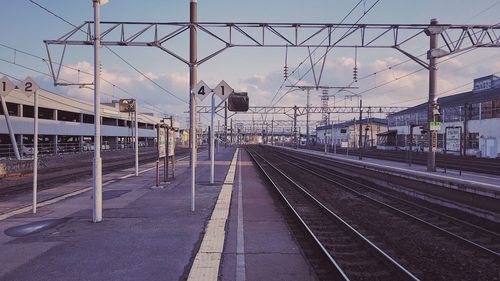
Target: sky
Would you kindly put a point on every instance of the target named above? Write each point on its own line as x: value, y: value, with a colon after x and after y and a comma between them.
x: 259, y: 71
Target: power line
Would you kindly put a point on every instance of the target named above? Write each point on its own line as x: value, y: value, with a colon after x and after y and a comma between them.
x: 120, y: 57
x: 330, y: 48
x: 157, y: 109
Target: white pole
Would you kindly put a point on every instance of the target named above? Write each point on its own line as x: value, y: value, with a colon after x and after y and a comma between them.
x: 35, y: 152
x: 97, y: 192
x: 136, y: 142
x: 212, y: 142
x: 9, y: 127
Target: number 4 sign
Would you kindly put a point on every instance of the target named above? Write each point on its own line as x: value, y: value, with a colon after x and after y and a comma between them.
x: 201, y: 90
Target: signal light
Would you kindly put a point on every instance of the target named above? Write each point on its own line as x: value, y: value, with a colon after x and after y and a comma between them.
x: 127, y: 105
x: 238, y: 102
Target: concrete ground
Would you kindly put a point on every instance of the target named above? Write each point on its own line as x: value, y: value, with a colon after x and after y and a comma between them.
x: 146, y: 234
x: 257, y: 235
x: 151, y: 234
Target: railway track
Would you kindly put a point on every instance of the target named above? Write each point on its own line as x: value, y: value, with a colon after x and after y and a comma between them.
x: 368, y: 208
x: 55, y: 175
x: 352, y: 255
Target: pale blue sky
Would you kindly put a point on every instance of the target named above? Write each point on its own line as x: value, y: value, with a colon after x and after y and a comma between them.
x: 24, y: 26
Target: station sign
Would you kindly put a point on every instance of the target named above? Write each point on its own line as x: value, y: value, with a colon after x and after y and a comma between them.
x: 6, y: 86
x: 171, y: 143
x: 201, y: 90
x: 28, y: 86
x: 162, y: 141
x: 223, y: 90
x: 435, y: 126
x: 453, y: 138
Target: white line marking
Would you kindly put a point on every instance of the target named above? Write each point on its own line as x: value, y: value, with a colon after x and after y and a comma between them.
x: 65, y: 196
x: 206, y: 264
x: 240, y: 240
x: 44, y: 203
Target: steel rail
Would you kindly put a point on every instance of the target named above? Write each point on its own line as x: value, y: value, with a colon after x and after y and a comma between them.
x: 297, y: 215
x: 463, y: 239
x: 396, y: 267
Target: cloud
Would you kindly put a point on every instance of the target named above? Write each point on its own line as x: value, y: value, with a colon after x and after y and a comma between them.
x: 136, y: 86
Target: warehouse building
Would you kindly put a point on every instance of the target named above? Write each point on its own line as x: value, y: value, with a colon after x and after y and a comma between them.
x: 67, y: 125
x: 347, y: 134
x: 473, y: 115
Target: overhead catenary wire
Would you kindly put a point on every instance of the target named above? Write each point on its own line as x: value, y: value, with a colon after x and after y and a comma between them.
x: 329, y: 49
x: 157, y: 109
x: 143, y: 116
x: 113, y: 52
x: 386, y: 69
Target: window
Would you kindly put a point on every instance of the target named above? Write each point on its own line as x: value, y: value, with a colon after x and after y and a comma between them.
x: 496, y: 109
x: 473, y: 140
x: 473, y: 111
x: 486, y: 110
x: 13, y: 109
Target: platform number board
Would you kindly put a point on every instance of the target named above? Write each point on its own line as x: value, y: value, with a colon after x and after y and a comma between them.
x: 6, y: 86
x: 201, y: 90
x: 28, y: 86
x: 223, y: 90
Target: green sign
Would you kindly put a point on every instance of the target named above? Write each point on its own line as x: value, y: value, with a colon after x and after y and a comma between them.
x: 435, y: 126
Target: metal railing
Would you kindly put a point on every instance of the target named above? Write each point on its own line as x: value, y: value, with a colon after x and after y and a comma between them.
x: 26, y: 150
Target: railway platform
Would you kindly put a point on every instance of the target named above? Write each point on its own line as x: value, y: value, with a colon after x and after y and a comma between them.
x: 461, y: 189
x: 235, y: 233
x: 444, y: 173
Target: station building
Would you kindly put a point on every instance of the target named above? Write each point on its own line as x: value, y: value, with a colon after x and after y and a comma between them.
x: 475, y: 114
x: 67, y: 125
x: 347, y: 134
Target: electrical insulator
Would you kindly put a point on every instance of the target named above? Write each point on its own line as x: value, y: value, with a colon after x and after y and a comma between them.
x: 355, y: 74
x: 285, y: 72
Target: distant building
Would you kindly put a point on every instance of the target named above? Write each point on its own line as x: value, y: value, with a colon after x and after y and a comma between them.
x: 67, y: 124
x: 476, y: 113
x: 347, y: 133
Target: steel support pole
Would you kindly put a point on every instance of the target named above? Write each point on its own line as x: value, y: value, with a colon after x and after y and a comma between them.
x: 9, y: 127
x: 225, y: 124
x: 35, y: 152
x: 307, y: 117
x: 360, y: 141
x: 193, y: 57
x: 431, y: 155
x: 97, y: 192
x: 212, y: 141
x: 272, y: 132
x: 136, y: 142
x: 295, y: 126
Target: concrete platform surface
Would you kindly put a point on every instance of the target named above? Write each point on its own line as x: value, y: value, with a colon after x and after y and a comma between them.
x: 259, y: 245
x: 146, y: 234
x: 152, y: 234
x: 463, y: 175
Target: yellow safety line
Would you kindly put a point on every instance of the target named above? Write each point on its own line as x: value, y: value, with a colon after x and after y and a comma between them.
x: 207, y: 261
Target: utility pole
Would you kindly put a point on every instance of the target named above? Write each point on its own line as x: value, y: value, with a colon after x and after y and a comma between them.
x: 295, y: 126
x: 307, y: 116
x: 360, y: 129
x: 225, y: 124
x: 97, y: 194
x: 193, y: 73
x: 433, y: 32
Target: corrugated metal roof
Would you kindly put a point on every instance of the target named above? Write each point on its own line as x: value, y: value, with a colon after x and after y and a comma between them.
x: 456, y: 100
x: 55, y: 101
